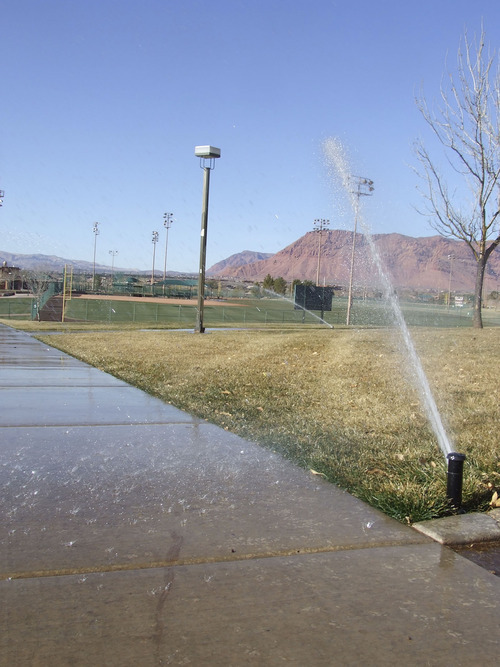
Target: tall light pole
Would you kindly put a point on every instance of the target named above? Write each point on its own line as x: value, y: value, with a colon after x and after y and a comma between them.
x: 319, y: 227
x: 364, y: 187
x: 167, y: 223
x: 113, y: 254
x: 154, y: 239
x: 451, y: 258
x: 207, y: 155
x: 96, y: 234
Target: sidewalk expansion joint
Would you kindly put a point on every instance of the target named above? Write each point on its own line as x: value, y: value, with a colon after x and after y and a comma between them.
x: 99, y: 424
x: 181, y: 562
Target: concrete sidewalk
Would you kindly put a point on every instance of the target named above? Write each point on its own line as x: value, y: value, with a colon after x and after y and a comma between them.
x: 135, y: 534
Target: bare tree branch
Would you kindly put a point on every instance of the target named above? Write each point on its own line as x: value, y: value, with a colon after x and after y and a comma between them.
x: 467, y: 125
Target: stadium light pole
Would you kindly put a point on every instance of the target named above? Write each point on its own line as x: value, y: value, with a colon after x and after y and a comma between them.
x: 96, y: 234
x: 167, y: 223
x: 207, y: 155
x: 113, y: 254
x: 154, y: 239
x: 319, y: 227
x: 364, y: 188
x: 451, y: 258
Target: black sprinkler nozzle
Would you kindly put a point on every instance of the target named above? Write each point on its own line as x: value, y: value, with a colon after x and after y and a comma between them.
x: 455, y: 479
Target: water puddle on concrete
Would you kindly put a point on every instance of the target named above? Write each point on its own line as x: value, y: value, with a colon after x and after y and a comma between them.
x: 485, y: 554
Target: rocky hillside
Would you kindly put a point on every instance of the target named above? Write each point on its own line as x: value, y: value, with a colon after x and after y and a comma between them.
x: 418, y: 263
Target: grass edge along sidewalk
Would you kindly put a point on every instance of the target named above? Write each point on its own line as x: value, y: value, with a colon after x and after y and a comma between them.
x: 338, y: 402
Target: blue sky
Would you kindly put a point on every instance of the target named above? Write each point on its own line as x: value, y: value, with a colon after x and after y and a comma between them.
x: 103, y: 102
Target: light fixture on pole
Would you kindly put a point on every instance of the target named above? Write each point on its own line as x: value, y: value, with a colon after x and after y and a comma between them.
x: 207, y: 155
x: 113, y: 254
x: 167, y: 223
x: 2, y: 195
x: 154, y: 240
x: 96, y: 233
x: 364, y: 187
x: 319, y: 227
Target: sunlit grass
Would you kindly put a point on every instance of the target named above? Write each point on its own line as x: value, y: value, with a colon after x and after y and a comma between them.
x: 337, y: 401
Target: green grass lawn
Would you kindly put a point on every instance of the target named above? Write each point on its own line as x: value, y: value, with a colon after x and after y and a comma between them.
x: 244, y: 312
x: 259, y: 311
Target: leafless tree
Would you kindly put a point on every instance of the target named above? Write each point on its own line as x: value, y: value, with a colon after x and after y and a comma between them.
x: 467, y: 125
x: 38, y: 282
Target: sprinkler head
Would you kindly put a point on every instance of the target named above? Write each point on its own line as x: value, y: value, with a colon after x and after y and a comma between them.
x: 455, y: 479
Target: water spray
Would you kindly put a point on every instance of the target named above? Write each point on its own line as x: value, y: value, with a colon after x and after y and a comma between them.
x: 337, y: 159
x: 455, y: 479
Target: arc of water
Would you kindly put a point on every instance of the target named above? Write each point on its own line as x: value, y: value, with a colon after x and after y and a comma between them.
x: 337, y: 159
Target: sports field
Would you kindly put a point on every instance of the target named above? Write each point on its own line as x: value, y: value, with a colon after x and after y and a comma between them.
x: 181, y: 313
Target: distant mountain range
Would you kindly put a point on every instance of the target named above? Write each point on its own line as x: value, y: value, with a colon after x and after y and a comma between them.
x: 53, y: 263
x: 50, y: 263
x: 415, y: 263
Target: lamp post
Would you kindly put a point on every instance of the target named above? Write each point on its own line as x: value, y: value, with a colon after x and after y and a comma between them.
x: 319, y: 226
x: 207, y: 155
x: 2, y: 195
x: 167, y: 223
x: 154, y: 240
x: 364, y: 187
x: 96, y: 234
x: 113, y: 254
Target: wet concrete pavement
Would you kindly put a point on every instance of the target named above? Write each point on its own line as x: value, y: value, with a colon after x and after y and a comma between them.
x: 135, y: 534
x: 485, y: 554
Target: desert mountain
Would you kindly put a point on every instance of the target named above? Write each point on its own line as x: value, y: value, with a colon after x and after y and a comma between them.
x: 239, y: 259
x: 417, y: 263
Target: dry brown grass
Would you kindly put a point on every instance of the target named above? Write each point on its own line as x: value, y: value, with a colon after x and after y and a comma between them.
x: 40, y: 327
x: 337, y: 401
